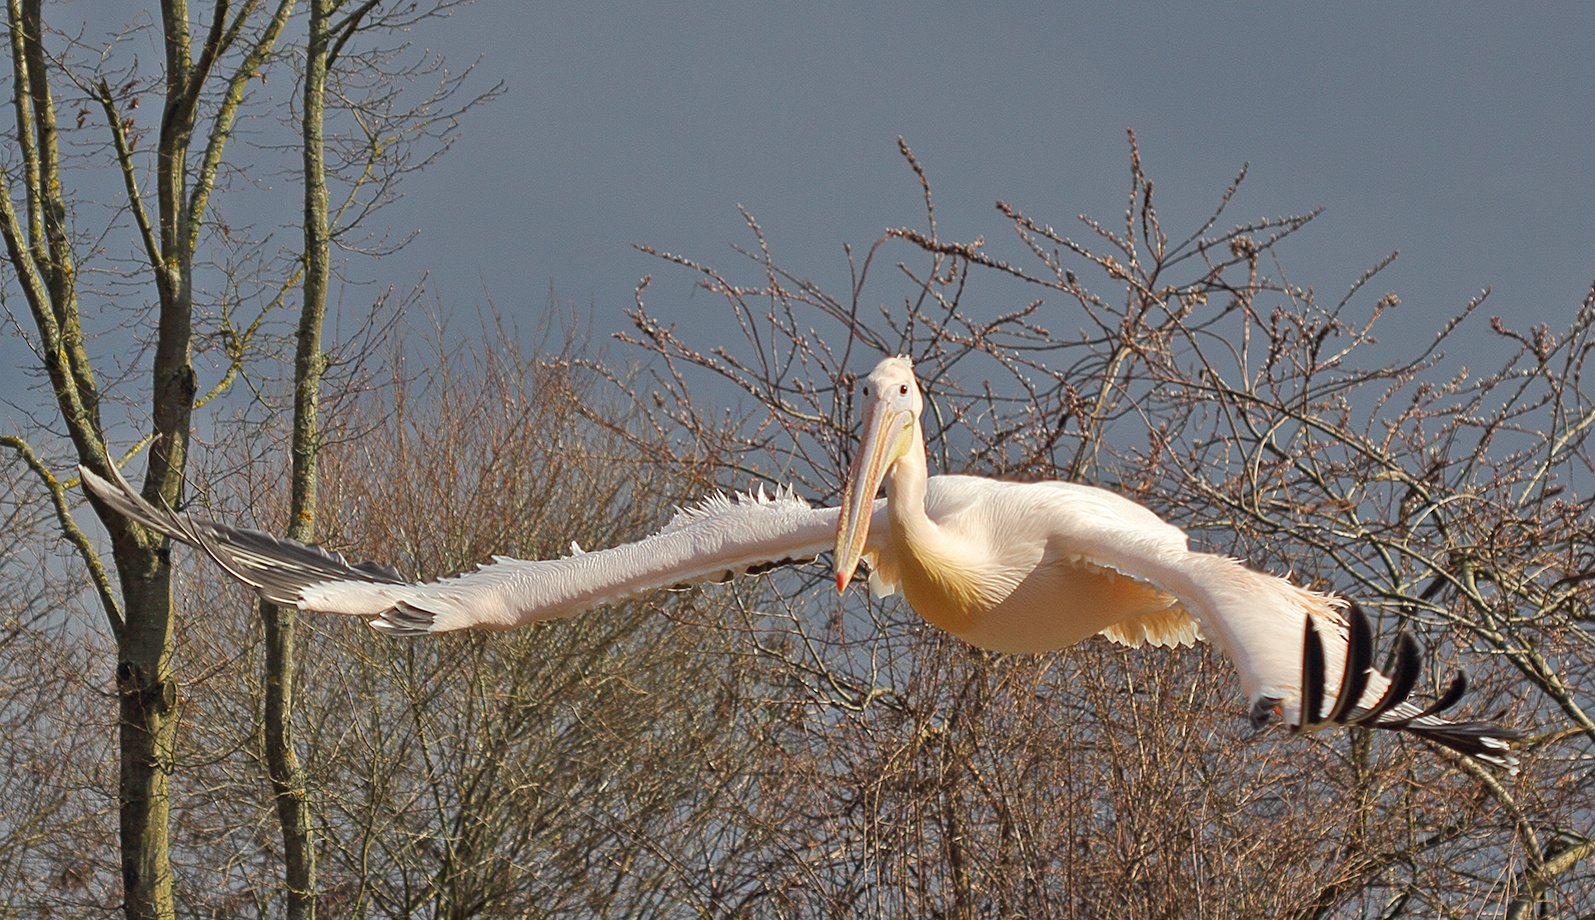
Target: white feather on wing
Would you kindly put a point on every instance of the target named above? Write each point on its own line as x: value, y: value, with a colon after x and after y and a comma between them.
x: 717, y: 539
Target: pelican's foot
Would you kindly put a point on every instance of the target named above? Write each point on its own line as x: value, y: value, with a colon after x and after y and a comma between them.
x: 1267, y: 709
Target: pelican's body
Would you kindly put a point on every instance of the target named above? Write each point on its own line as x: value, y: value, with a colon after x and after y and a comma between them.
x: 994, y: 564
x: 1005, y: 566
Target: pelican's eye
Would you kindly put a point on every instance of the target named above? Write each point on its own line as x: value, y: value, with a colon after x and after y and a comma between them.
x: 902, y: 390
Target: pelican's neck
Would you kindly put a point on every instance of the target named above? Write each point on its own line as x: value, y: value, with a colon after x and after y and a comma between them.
x: 905, y: 494
x: 940, y: 574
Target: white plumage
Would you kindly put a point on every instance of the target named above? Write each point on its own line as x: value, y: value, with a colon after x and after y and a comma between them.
x: 1006, y: 566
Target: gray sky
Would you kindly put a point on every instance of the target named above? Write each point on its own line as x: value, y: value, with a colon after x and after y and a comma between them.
x: 1460, y: 134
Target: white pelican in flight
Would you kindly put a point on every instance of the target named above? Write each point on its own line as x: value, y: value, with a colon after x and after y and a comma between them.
x: 1005, y: 566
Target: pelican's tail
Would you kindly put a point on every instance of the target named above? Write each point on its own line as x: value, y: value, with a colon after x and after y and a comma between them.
x: 1390, y: 706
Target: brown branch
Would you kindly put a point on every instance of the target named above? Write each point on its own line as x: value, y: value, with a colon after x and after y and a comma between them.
x: 1560, y: 858
x: 135, y: 198
x: 70, y: 530
x: 227, y: 113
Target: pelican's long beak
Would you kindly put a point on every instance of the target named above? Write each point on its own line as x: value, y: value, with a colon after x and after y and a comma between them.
x: 878, y: 449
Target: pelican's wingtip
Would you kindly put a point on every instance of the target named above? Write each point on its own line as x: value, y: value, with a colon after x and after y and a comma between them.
x: 1485, y: 742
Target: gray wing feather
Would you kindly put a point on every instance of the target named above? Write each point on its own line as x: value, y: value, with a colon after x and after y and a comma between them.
x: 278, y: 569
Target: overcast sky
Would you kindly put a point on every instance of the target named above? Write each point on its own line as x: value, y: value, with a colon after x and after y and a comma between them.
x: 1462, y: 135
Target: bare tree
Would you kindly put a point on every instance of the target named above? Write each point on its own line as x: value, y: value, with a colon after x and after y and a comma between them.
x: 761, y: 749
x: 376, y: 152
x: 180, y: 246
x: 203, y: 85
x: 574, y: 770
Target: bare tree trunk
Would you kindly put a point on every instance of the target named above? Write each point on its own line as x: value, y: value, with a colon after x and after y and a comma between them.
x: 147, y: 694
x: 42, y: 257
x: 294, y: 811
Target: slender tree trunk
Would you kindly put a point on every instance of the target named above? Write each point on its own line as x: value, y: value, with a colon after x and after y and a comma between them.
x: 294, y: 811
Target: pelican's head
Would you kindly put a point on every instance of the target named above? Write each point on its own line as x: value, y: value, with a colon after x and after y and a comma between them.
x: 891, y: 404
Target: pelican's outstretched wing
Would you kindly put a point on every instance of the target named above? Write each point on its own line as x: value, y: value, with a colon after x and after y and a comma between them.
x: 713, y: 541
x: 1258, y: 621
x: 1327, y: 678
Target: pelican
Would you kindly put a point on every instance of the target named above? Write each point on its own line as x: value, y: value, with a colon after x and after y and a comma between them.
x: 1010, y: 567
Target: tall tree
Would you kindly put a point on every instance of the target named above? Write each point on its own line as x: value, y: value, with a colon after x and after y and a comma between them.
x: 282, y: 760
x: 200, y: 103
x: 332, y: 24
